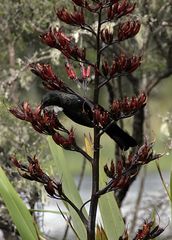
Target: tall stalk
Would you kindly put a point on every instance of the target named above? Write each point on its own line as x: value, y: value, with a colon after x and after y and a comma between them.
x: 95, y: 162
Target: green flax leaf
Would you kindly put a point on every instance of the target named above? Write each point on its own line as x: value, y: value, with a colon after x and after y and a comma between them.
x: 171, y: 187
x: 110, y: 213
x: 17, y: 209
x: 171, y: 192
x: 69, y: 186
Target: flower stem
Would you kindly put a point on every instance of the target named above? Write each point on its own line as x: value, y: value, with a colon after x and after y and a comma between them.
x: 95, y: 164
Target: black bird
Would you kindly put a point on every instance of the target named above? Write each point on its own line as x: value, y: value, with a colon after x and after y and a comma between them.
x: 80, y: 111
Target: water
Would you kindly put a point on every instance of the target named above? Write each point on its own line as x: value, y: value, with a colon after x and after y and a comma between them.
x: 153, y: 197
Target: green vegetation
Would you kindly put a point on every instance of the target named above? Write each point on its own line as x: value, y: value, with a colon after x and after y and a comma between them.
x: 22, y: 22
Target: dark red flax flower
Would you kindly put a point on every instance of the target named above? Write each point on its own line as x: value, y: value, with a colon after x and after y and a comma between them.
x: 128, y: 106
x: 119, y: 9
x: 65, y: 142
x: 128, y: 30
x: 50, y: 80
x: 75, y: 18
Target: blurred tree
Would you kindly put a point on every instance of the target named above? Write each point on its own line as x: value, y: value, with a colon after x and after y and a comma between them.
x: 154, y: 41
x: 21, y: 23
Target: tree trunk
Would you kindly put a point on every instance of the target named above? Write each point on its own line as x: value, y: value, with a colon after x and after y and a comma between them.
x: 12, y: 64
x: 11, y: 54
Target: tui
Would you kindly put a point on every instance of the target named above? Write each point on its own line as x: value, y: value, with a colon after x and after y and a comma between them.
x: 80, y: 111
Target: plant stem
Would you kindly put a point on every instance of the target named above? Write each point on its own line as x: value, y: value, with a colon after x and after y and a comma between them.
x: 95, y: 164
x: 81, y: 215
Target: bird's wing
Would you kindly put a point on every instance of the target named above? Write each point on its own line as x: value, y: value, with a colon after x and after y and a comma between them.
x: 79, y: 111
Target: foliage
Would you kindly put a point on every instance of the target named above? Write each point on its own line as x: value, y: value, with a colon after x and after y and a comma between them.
x: 17, y: 209
x: 19, y: 33
x: 103, y: 72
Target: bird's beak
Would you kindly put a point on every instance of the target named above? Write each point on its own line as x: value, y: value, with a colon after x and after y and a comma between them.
x: 42, y: 105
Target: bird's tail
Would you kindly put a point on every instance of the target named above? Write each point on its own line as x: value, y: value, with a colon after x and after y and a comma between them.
x: 123, y: 139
